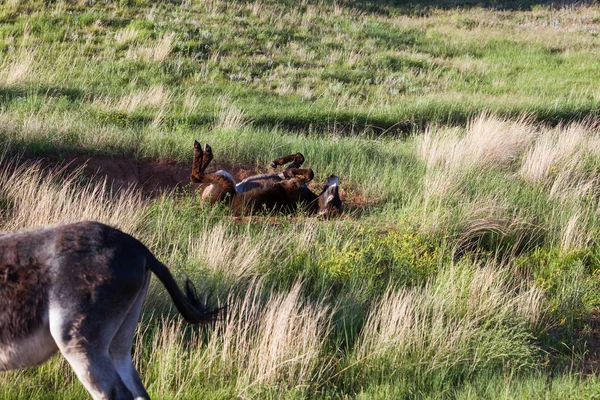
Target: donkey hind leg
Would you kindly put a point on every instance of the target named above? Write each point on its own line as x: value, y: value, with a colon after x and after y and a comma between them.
x: 202, y: 159
x: 120, y: 348
x: 296, y: 161
x: 207, y: 157
x: 197, y: 163
x: 84, y: 342
x: 303, y: 175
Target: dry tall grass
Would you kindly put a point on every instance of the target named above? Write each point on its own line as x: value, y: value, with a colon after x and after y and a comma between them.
x: 155, y: 97
x: 235, y: 255
x: 157, y: 52
x: 17, y: 67
x: 281, y: 340
x: 228, y: 115
x: 467, y: 317
x: 127, y: 35
x: 190, y: 102
x: 559, y: 160
x: 554, y: 146
x: 32, y: 197
x: 266, y: 340
x: 488, y: 141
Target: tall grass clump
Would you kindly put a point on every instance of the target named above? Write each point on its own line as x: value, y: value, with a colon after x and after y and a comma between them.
x: 156, y: 97
x: 510, y: 185
x: 453, y: 158
x: 228, y: 115
x: 467, y: 320
x: 156, y: 52
x: 18, y: 68
x: 31, y: 197
x: 239, y: 255
x: 278, y: 341
x: 488, y: 146
x: 554, y: 148
x: 267, y: 342
x: 488, y: 140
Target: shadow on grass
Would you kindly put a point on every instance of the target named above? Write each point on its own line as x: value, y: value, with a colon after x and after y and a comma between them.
x: 423, y: 7
x: 8, y: 94
x: 347, y: 123
x: 416, y: 7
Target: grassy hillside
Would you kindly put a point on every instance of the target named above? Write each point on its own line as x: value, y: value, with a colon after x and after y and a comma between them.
x: 466, y: 264
x: 317, y: 67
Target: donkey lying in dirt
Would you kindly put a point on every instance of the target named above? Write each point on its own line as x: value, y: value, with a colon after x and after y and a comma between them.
x: 79, y: 288
x: 275, y: 191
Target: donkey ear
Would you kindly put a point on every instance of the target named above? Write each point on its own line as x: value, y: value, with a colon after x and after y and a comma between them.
x: 331, y: 193
x: 332, y: 181
x: 197, y: 145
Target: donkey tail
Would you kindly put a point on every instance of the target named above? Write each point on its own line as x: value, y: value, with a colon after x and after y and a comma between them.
x: 187, y: 304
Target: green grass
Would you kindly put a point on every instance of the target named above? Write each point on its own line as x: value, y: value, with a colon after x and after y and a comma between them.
x: 318, y: 68
x: 471, y: 269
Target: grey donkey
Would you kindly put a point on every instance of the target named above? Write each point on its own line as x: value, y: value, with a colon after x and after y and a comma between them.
x: 79, y: 289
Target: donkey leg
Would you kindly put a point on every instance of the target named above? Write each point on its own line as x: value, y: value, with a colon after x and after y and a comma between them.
x: 220, y: 186
x: 84, y: 342
x: 305, y: 175
x: 202, y: 159
x: 206, y: 157
x: 197, y: 163
x: 120, y: 348
x: 96, y: 372
x: 296, y: 161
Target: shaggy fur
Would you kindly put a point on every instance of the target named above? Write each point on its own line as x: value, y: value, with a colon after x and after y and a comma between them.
x: 79, y: 288
x: 266, y: 192
x: 23, y: 291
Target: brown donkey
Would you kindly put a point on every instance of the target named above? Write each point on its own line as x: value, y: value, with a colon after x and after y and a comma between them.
x: 79, y: 289
x: 275, y: 191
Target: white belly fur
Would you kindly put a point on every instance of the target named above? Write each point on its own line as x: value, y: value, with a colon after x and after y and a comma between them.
x: 29, y: 351
x: 207, y: 192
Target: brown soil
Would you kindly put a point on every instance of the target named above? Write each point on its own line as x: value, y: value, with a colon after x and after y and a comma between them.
x: 591, y: 363
x: 155, y: 177
x: 151, y: 177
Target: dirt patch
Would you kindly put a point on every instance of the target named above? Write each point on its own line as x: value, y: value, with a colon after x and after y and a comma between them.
x: 355, y: 201
x: 151, y: 177
x: 591, y: 363
x: 156, y: 177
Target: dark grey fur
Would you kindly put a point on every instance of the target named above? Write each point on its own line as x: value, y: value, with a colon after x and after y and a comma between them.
x: 79, y: 288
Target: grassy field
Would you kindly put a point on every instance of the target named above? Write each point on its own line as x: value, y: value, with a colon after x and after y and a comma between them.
x: 469, y: 267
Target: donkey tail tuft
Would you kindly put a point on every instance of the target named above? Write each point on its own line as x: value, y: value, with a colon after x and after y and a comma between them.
x: 187, y: 304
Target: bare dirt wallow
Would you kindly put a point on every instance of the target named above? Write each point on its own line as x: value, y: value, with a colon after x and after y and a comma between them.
x: 151, y: 177
x: 156, y: 177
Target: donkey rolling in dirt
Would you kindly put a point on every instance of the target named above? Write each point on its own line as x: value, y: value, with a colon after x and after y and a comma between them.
x: 273, y: 192
x: 79, y: 289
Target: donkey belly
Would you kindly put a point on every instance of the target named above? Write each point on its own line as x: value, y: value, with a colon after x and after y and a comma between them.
x: 32, y: 350
x: 208, y: 192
